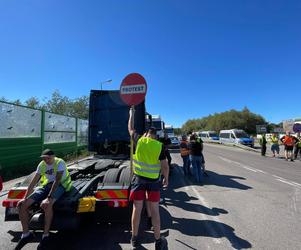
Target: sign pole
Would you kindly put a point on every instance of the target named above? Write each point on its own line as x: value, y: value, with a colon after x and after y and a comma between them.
x: 132, y: 140
x: 132, y: 92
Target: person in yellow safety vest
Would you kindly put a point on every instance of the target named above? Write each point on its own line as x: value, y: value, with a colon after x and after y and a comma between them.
x: 297, y: 145
x: 185, y: 155
x: 149, y: 162
x: 54, y: 182
x: 275, y: 145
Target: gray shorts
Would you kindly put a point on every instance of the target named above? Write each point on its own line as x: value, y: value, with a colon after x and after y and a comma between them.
x: 41, y: 193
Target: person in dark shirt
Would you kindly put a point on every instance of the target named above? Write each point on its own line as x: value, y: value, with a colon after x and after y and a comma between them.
x: 263, y: 144
x: 196, y: 157
x: 167, y: 142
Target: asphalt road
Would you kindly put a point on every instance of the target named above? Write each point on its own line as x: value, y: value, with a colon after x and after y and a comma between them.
x: 248, y: 201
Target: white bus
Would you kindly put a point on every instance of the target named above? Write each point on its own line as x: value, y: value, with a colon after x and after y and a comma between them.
x: 208, y: 136
x: 235, y: 136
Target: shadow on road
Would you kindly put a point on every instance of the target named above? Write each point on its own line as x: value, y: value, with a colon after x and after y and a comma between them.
x: 212, y: 178
x: 206, y: 228
x: 117, y: 236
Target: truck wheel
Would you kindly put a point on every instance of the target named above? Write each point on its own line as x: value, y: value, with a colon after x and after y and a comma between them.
x: 111, y: 175
x: 125, y: 176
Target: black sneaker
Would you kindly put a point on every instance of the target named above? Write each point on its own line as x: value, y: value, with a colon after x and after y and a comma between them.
x: 161, y: 244
x: 134, y: 242
x: 44, y: 243
x: 23, y: 241
x: 292, y: 160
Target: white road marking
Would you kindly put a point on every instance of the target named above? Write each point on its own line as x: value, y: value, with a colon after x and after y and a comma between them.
x: 287, y: 182
x: 204, y: 217
x: 278, y: 178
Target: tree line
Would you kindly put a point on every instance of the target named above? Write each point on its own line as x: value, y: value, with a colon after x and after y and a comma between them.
x: 79, y: 107
x: 59, y: 104
x: 243, y: 119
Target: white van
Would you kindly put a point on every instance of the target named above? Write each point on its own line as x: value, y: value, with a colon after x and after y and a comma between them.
x: 235, y: 136
x: 208, y: 135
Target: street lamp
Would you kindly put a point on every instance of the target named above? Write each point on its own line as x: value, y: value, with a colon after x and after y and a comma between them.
x: 107, y: 81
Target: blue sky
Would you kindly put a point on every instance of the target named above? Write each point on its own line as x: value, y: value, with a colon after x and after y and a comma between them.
x: 198, y: 57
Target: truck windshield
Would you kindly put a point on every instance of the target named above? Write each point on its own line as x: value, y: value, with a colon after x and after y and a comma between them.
x: 241, y: 134
x: 158, y: 125
x: 169, y: 130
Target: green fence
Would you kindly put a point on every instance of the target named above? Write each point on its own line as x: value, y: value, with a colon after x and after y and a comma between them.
x: 25, y: 132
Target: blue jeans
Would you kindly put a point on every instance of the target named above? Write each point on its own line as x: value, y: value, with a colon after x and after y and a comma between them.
x: 196, y: 162
x: 186, y: 165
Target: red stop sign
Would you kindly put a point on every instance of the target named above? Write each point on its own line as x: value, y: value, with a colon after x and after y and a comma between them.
x: 133, y: 89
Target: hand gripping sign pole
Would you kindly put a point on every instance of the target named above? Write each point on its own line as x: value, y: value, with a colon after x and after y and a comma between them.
x: 132, y: 91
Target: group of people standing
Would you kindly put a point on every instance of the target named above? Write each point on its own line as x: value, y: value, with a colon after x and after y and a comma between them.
x: 292, y: 145
x: 192, y: 154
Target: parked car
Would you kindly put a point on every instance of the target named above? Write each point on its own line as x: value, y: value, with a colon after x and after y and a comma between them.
x: 236, y: 136
x: 175, y: 143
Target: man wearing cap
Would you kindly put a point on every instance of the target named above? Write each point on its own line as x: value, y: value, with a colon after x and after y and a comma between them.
x: 54, y: 182
x: 149, y: 161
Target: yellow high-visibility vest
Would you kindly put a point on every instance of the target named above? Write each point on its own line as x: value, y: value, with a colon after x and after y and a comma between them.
x: 146, y: 158
x: 65, y: 181
x: 274, y: 140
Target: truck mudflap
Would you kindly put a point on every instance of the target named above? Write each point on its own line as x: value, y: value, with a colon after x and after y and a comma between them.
x: 10, y: 203
x: 112, y: 203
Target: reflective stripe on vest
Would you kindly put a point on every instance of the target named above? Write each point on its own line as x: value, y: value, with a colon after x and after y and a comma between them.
x: 184, y: 151
x: 146, y: 158
x: 274, y: 140
x: 65, y: 182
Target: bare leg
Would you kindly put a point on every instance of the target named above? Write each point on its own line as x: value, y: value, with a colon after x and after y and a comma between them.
x: 48, y: 216
x: 148, y: 209
x: 154, y: 206
x: 136, y: 214
x: 24, y: 214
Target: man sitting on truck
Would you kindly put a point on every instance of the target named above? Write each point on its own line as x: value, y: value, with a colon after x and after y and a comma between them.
x: 54, y: 182
x: 148, y: 161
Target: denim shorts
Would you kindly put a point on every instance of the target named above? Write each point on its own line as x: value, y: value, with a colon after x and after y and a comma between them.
x: 41, y: 193
x: 275, y: 147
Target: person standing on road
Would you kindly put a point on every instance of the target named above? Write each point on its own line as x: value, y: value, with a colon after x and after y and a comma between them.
x: 297, y: 145
x: 54, y: 182
x: 289, y: 142
x: 263, y: 144
x: 185, y: 155
x: 167, y: 142
x: 275, y: 145
x: 196, y: 157
x: 148, y: 161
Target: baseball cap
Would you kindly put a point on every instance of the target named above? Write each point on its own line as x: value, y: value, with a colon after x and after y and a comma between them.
x: 47, y: 152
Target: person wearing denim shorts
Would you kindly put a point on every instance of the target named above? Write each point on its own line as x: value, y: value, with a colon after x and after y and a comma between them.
x: 54, y: 182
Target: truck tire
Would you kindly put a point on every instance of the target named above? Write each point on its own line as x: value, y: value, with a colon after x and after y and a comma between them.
x: 111, y: 175
x: 125, y: 176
